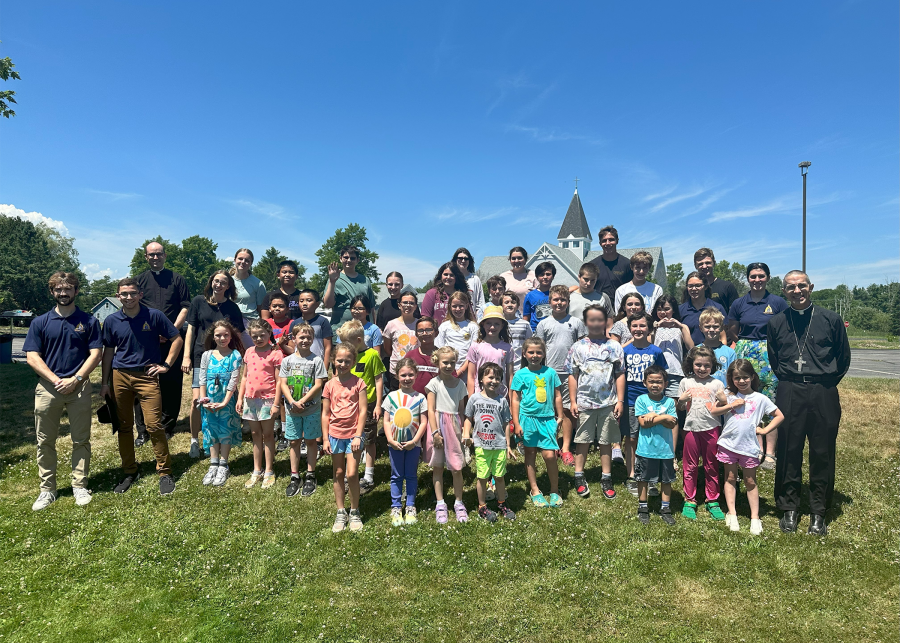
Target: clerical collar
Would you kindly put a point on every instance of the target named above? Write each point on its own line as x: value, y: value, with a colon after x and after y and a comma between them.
x: 803, y: 310
x: 156, y: 272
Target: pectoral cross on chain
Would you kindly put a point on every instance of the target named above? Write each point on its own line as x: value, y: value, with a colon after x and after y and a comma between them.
x: 800, y: 362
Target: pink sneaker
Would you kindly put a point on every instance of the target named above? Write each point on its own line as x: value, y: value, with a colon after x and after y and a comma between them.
x: 460, y: 510
x: 440, y: 513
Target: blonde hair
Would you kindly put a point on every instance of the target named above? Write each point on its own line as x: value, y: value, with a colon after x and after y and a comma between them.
x: 344, y: 347
x: 463, y: 297
x: 350, y: 330
x: 259, y: 324
x: 306, y: 328
x: 711, y: 314
x: 443, y: 350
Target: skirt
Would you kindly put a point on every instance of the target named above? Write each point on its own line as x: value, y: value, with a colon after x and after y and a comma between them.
x: 451, y: 455
x: 756, y: 352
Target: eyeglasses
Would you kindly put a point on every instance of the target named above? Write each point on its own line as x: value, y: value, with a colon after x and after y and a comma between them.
x: 129, y: 295
x: 357, y: 309
x: 154, y: 255
x: 349, y: 258
x: 407, y: 303
x: 425, y: 331
x: 462, y: 258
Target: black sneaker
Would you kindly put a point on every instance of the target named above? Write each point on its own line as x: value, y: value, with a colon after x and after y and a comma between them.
x: 282, y: 445
x: 666, y: 514
x: 505, y: 512
x: 309, y: 485
x: 365, y: 486
x: 487, y: 514
x: 609, y: 492
x: 644, y: 515
x: 581, y: 487
x: 293, y: 486
x: 141, y: 439
x: 166, y: 485
x: 127, y: 481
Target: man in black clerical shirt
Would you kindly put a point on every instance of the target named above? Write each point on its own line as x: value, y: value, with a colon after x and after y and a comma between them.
x: 809, y: 353
x: 165, y: 291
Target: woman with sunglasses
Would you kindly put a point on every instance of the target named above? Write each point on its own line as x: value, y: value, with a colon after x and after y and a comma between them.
x: 466, y: 264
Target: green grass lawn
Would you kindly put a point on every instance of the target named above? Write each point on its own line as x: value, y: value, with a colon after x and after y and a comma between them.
x: 230, y: 564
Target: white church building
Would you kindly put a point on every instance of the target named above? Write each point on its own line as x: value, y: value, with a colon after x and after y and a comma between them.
x: 573, y: 247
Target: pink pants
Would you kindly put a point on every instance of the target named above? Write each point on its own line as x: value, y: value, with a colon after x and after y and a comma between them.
x: 699, y: 444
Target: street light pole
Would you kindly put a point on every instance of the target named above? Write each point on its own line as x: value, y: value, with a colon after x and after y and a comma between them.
x: 804, y: 168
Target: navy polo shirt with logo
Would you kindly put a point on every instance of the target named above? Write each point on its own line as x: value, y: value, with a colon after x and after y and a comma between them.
x: 136, y: 339
x: 754, y: 315
x: 64, y: 343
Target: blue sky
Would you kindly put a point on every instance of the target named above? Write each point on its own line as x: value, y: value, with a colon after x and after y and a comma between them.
x: 453, y: 124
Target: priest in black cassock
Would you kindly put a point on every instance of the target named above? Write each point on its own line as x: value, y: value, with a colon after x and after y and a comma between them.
x: 809, y: 353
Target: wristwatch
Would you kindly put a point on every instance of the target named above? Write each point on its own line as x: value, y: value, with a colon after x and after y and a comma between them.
x: 78, y: 378
x: 167, y: 365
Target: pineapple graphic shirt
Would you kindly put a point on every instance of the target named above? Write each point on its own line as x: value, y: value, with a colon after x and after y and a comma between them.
x: 538, y: 390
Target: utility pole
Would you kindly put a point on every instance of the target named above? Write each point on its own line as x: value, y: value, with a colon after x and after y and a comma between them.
x: 804, y: 168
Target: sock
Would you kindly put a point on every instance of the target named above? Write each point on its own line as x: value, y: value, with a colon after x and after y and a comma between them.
x: 370, y: 474
x: 441, y: 502
x: 642, y: 505
x: 295, y: 474
x: 607, y: 476
x: 665, y: 504
x: 213, y: 463
x: 579, y: 474
x: 223, y: 462
x: 194, y: 441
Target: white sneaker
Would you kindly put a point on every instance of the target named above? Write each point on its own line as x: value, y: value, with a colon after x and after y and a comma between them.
x: 44, y: 500
x: 222, y: 475
x: 211, y: 474
x: 731, y: 521
x: 82, y: 496
x: 340, y: 521
x: 195, y: 450
x: 755, y: 527
x: 303, y: 448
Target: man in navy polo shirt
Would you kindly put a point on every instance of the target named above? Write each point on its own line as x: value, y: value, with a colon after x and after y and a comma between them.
x: 63, y: 346
x: 723, y: 292
x: 132, y: 357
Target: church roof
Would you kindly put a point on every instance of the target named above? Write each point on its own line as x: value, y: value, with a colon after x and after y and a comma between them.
x: 575, y: 224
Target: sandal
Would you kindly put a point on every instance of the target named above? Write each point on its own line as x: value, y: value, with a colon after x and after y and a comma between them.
x: 768, y: 462
x: 538, y: 500
x: 555, y: 501
x: 715, y: 511
x: 690, y: 510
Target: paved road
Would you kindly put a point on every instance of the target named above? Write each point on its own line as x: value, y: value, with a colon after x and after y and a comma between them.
x: 865, y: 363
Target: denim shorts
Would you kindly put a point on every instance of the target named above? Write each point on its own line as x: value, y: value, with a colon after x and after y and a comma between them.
x: 303, y: 427
x: 344, y: 445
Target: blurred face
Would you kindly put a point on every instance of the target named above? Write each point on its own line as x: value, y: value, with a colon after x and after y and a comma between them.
x: 492, y: 327
x: 425, y: 335
x: 695, y: 288
x: 243, y: 262
x: 407, y: 306
x: 287, y: 277
x: 534, y: 354
x: 665, y: 311
x: 609, y: 242
x: 490, y: 382
x: 758, y: 280
x: 705, y: 267
x: 394, y: 285
x: 458, y: 309
x: 545, y: 279
x: 130, y: 297
x: 156, y: 256
x: 702, y: 367
x: 307, y: 303
x: 655, y: 383
x: 711, y: 330
x: 559, y: 304
x: 349, y: 261
x: 222, y: 337
x: 463, y: 263
x: 517, y: 261
x: 634, y: 305
x: 743, y: 382
x: 260, y: 337
x: 586, y: 282
x: 496, y: 293
x: 510, y: 307
x: 358, y: 311
x: 797, y: 290
x: 640, y: 271
x: 638, y: 328
x: 407, y: 377
x: 448, y: 280
x: 344, y: 360
x: 596, y: 323
x: 277, y: 309
x: 303, y: 340
x: 446, y: 364
x: 64, y: 294
x: 219, y: 285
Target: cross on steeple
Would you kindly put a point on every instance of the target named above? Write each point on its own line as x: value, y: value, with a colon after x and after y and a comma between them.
x: 576, y: 183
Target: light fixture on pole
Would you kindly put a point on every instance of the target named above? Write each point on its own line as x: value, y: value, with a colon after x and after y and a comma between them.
x: 804, y: 168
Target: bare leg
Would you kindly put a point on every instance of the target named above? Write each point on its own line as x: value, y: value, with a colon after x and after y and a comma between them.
x: 437, y: 476
x: 338, y: 463
x: 370, y: 454
x: 481, y: 486
x: 666, y: 491
x: 457, y: 485
x: 552, y: 469
x: 581, y: 454
x: 268, y: 440
x: 730, y: 487
x: 257, y: 435
x: 214, y: 451
x: 295, y: 456
x: 567, y: 424
x: 628, y: 447
x: 224, y: 449
x: 752, y: 492
x: 530, y: 457
x: 606, y: 458
x: 195, y: 414
x: 353, y: 478
x: 500, y: 485
x: 642, y: 491
x: 312, y: 456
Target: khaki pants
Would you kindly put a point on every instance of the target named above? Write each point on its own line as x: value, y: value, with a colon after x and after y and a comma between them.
x: 49, y: 405
x: 126, y: 386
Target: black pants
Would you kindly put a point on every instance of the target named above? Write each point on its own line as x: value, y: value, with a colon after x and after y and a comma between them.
x: 811, y: 412
x: 170, y: 387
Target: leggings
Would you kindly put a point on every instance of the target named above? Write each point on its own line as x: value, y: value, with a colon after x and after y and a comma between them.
x: 699, y: 444
x: 404, y: 466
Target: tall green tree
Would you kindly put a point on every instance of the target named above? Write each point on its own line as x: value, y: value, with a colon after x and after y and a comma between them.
x: 674, y: 279
x: 266, y: 268
x: 26, y: 265
x: 6, y: 96
x: 735, y: 272
x: 352, y: 235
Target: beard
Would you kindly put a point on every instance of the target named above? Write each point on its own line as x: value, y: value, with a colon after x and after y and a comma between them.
x: 64, y: 300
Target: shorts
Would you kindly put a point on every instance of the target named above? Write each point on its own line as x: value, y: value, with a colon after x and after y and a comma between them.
x: 727, y: 456
x: 343, y: 445
x: 195, y: 382
x: 257, y: 409
x: 628, y: 424
x: 654, y: 470
x: 564, y: 390
x: 490, y: 463
x: 597, y: 425
x: 370, y: 428
x: 539, y: 433
x: 303, y: 427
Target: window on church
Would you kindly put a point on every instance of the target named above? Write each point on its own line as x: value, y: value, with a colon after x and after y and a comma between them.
x: 575, y: 244
x: 565, y: 244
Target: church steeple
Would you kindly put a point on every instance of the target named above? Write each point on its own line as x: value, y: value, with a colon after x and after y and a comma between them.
x: 575, y: 235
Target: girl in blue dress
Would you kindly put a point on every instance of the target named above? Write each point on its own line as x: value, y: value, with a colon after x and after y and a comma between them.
x: 220, y: 367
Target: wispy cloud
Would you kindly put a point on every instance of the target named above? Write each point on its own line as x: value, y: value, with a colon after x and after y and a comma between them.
x: 778, y: 205
x: 551, y: 135
x: 510, y: 85
x: 471, y: 215
x: 677, y: 199
x: 272, y: 210
x: 660, y: 194
x: 115, y: 196
x: 93, y: 271
x: 9, y: 210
